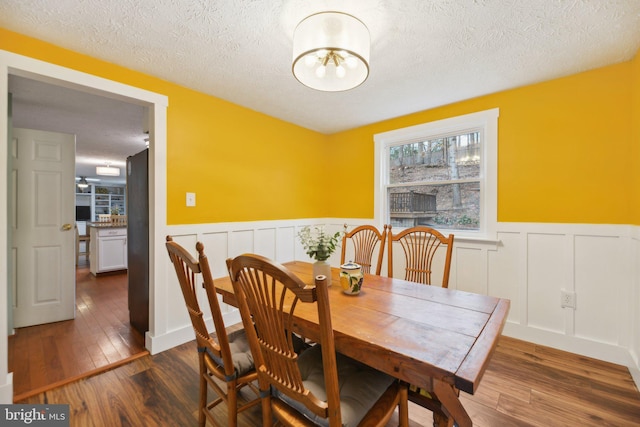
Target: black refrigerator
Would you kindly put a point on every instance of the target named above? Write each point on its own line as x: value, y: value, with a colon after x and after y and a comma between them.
x: 138, y: 240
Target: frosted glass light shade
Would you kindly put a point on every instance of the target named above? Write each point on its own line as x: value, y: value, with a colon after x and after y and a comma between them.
x: 107, y: 171
x: 331, y: 52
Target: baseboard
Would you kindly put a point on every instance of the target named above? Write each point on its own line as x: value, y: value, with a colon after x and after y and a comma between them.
x: 635, y: 369
x: 6, y: 390
x: 158, y: 344
x: 602, y: 351
x: 635, y: 374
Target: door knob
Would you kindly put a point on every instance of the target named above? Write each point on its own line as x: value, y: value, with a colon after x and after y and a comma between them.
x: 66, y: 227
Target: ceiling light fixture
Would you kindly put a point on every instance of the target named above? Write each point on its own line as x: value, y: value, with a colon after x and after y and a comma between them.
x: 107, y: 170
x: 331, y: 52
x: 83, y: 182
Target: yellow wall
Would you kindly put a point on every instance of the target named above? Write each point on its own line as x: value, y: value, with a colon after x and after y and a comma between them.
x: 568, y: 150
x: 242, y: 165
x: 635, y: 138
x: 564, y: 150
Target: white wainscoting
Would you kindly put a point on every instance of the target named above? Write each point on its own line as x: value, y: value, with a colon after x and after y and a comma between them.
x: 594, y: 261
x: 170, y: 325
x: 635, y: 318
x: 530, y: 265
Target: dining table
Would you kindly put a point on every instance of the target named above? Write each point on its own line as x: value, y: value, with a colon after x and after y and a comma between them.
x: 437, y: 339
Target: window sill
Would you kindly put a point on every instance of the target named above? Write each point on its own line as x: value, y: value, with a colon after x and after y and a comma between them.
x: 477, y: 239
x: 464, y: 236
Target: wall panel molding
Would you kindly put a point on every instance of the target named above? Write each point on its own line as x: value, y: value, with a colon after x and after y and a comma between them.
x: 530, y: 265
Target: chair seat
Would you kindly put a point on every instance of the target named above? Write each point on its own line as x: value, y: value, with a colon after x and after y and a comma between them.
x: 240, y: 353
x: 360, y: 386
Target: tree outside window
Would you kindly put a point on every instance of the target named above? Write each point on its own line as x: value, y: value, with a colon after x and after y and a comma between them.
x: 442, y: 174
x: 436, y: 182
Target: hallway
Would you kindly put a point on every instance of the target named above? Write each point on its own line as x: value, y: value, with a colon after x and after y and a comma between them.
x: 100, y: 338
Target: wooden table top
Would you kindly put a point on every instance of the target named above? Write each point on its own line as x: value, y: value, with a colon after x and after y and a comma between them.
x: 414, y: 332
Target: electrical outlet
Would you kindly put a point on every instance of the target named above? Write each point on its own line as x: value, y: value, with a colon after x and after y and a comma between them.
x: 567, y: 299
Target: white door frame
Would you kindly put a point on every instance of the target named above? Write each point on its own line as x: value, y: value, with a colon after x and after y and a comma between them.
x: 11, y: 63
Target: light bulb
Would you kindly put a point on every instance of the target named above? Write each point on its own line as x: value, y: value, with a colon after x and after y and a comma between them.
x: 340, y: 71
x: 351, y: 61
x: 321, y: 71
x: 310, y: 60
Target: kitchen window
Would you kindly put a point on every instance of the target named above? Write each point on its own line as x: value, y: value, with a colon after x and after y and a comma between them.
x: 442, y: 174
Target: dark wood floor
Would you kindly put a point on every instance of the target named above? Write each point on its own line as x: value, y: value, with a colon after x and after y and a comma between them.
x: 524, y: 385
x: 100, y: 337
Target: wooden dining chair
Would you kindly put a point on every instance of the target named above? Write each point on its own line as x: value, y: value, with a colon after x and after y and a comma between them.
x: 228, y: 359
x: 82, y: 238
x: 420, y: 245
x: 318, y: 386
x: 365, y: 240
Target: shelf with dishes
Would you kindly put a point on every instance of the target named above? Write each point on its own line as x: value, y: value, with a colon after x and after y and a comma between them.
x: 100, y: 200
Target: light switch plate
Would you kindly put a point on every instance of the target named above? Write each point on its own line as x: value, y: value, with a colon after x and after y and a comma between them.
x: 191, y: 199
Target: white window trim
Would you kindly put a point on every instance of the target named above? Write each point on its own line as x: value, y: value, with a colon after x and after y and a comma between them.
x: 486, y: 120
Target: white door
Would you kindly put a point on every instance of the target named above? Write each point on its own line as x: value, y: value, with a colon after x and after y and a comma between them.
x: 43, y: 180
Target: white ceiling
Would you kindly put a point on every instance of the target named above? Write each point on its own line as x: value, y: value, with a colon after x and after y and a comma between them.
x: 424, y: 53
x: 107, y: 130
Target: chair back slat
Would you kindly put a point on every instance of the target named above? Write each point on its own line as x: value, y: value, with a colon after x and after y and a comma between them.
x: 365, y: 239
x: 420, y: 245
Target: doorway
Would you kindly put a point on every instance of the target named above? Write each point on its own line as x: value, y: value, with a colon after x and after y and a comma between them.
x: 12, y: 64
x: 59, y: 350
x: 105, y: 132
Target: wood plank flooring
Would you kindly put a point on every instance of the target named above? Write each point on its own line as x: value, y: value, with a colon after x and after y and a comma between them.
x: 524, y: 385
x: 100, y: 337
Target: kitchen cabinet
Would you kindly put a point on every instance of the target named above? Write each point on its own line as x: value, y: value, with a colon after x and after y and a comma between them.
x: 108, y: 250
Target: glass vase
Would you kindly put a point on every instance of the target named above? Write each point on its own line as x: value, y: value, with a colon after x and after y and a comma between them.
x: 322, y: 268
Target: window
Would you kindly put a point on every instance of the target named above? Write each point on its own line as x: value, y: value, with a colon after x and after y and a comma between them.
x: 441, y: 174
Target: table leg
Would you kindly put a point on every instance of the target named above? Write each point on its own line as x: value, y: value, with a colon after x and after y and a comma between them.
x: 447, y: 394
x: 440, y: 420
x: 428, y: 400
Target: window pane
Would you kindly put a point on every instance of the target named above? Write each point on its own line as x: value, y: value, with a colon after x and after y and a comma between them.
x: 454, y: 206
x: 442, y: 159
x: 447, y: 172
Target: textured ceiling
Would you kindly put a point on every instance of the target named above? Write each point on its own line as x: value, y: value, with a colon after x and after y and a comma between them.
x: 424, y: 53
x: 107, y: 130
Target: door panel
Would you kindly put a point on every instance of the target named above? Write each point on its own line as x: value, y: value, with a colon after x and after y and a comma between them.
x: 43, y: 234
